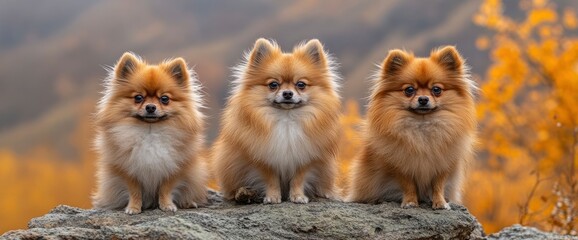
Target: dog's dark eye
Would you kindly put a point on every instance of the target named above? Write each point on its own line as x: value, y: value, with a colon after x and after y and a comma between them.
x: 273, y: 85
x: 300, y: 85
x: 436, y: 91
x: 165, y: 99
x: 138, y: 98
x: 409, y: 91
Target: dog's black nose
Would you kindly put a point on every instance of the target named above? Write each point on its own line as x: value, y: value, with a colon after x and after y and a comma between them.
x: 423, y: 100
x: 151, y: 108
x: 287, y: 94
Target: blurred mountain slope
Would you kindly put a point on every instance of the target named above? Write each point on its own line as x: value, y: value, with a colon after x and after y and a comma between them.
x: 53, y: 53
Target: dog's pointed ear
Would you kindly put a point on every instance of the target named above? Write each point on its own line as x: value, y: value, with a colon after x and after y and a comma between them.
x: 126, y: 66
x: 396, y: 59
x: 262, y: 49
x: 448, y: 57
x: 314, y: 51
x: 178, y: 70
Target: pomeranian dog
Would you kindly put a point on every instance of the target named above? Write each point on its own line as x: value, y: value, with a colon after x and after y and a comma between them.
x: 420, y: 131
x: 280, y: 127
x: 149, y: 135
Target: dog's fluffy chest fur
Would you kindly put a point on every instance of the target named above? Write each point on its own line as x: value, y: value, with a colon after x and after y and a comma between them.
x: 288, y: 146
x: 149, y: 152
x: 426, y: 147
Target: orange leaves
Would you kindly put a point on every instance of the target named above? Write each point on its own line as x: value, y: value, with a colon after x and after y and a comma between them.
x: 528, y: 113
x: 490, y: 16
x: 545, y: 52
x: 32, y: 184
x: 483, y: 43
x: 7, y: 163
x: 350, y: 142
x: 540, y: 16
x: 351, y: 121
x: 570, y: 19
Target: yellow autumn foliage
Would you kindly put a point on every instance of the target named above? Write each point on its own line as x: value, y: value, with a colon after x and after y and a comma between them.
x: 33, y: 184
x: 529, y: 120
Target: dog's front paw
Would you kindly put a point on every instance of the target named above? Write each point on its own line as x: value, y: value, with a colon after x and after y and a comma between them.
x: 131, y: 210
x: 299, y: 198
x: 335, y: 197
x: 331, y: 195
x: 409, y: 204
x: 441, y: 205
x: 190, y: 204
x: 168, y: 207
x: 272, y: 199
x: 246, y: 195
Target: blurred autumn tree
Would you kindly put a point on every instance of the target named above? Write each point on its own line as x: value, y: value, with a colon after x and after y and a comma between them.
x: 36, y: 181
x: 350, y: 143
x: 528, y: 112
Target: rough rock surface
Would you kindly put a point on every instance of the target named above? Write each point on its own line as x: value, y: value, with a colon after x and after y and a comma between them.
x: 321, y: 219
x: 519, y: 232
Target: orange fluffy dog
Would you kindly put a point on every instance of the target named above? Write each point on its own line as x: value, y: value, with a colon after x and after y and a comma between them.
x: 149, y: 135
x: 280, y: 127
x: 420, y: 132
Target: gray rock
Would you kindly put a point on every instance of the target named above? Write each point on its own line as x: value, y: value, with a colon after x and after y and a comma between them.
x: 518, y: 232
x: 320, y: 219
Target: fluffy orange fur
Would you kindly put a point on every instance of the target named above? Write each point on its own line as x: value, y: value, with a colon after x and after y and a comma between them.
x: 420, y: 131
x: 149, y: 135
x: 280, y: 129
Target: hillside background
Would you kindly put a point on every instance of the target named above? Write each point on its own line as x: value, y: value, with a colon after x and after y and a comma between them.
x: 53, y: 53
